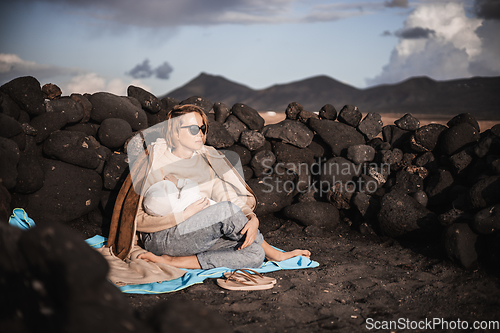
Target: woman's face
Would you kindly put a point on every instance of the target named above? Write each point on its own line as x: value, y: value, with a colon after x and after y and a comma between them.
x: 186, y: 139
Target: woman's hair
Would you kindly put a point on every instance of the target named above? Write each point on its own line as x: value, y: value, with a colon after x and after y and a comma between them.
x: 174, y: 122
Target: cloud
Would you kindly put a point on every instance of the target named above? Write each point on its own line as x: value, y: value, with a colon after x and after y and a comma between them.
x: 415, y: 33
x: 163, y: 71
x: 452, y: 45
x: 12, y: 66
x: 488, y: 9
x: 487, y: 63
x: 396, y: 3
x: 92, y: 82
x: 161, y: 13
x: 141, y: 71
x: 144, y: 71
x: 386, y: 33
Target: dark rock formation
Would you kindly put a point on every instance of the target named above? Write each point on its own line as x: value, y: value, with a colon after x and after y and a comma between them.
x: 248, y: 116
x: 113, y: 132
x: 337, y: 135
x: 401, y: 215
x: 320, y: 214
x: 106, y: 105
x: 289, y: 131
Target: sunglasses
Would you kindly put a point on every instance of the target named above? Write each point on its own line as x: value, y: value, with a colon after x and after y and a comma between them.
x: 194, y: 129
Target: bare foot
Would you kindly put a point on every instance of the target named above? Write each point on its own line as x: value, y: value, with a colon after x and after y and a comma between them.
x: 151, y: 257
x: 280, y: 256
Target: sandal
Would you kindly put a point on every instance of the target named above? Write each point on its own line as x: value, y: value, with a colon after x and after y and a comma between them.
x: 245, y: 281
x: 245, y: 276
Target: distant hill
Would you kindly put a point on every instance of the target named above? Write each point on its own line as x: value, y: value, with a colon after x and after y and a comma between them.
x: 420, y: 95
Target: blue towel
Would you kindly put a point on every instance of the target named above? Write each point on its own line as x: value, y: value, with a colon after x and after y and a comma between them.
x: 21, y: 220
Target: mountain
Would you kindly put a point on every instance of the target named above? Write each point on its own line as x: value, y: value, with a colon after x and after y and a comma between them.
x: 419, y: 95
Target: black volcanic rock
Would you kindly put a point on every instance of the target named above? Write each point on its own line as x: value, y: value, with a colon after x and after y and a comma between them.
x: 338, y: 170
x: 8, y: 106
x: 72, y: 147
x: 218, y: 136
x: 248, y: 116
x: 221, y: 111
x: 262, y: 163
x: 395, y: 136
x: 407, y: 182
x: 488, y: 145
x: 371, y: 125
x: 9, y: 126
x: 30, y: 175
x: 457, y: 137
x: 286, y: 153
x: 9, y: 157
x: 427, y: 160
x: 393, y: 158
x: 463, y: 118
x: 204, y: 103
x: 460, y: 244
x: 51, y: 91
x: 328, y: 111
x: 27, y: 93
x: 304, y: 116
x: 408, y: 122
x: 87, y: 128
x: 106, y: 105
x: 148, y: 101
x: 401, y: 215
x: 337, y: 135
x: 320, y: 214
x: 115, y: 171
x: 113, y: 132
x: 360, y: 153
x: 438, y: 187
x: 68, y: 193
x: 293, y: 110
x: 271, y: 194
x: 253, y: 140
x: 290, y: 131
x: 426, y: 137
x: 350, y: 115
x: 367, y: 205
x: 85, y: 104
x: 74, y: 111
x: 485, y: 192
x: 234, y: 126
x: 487, y: 220
x: 461, y: 160
x: 243, y: 153
x: 46, y: 123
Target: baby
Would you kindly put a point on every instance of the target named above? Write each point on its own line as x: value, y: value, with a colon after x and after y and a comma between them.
x: 171, y: 195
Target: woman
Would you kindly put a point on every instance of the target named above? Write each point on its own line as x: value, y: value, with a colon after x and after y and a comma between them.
x: 204, y: 236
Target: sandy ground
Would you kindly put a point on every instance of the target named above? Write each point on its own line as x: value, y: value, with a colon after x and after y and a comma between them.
x: 362, y: 282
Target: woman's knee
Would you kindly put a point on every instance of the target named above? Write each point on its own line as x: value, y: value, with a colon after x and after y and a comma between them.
x: 227, y: 209
x: 255, y: 256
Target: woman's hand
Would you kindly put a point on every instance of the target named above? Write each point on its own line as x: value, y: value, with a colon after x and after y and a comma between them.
x: 195, y: 207
x: 250, y: 229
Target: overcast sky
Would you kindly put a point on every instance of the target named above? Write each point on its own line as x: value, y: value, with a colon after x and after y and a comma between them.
x: 106, y: 45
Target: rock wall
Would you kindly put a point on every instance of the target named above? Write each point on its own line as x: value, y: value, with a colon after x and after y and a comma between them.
x: 64, y: 158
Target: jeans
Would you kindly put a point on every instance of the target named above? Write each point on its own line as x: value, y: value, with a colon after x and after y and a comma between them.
x: 213, y: 235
